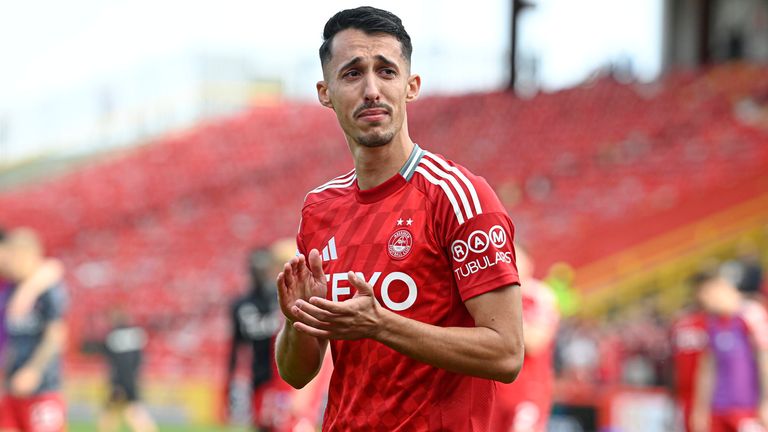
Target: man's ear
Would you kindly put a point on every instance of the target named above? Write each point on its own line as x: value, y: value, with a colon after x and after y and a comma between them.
x: 322, y: 94
x: 414, y: 86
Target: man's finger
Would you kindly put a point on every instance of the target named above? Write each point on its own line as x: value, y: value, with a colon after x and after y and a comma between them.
x: 318, y: 313
x: 338, y: 308
x: 282, y: 288
x: 316, y: 265
x: 288, y: 277
x: 300, y: 326
x: 363, y: 288
x: 306, y: 318
x: 301, y: 266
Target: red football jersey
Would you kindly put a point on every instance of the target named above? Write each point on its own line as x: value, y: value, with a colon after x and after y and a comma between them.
x: 689, y: 340
x: 427, y: 239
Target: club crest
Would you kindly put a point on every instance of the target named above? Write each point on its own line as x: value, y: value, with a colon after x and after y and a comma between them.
x: 399, y: 244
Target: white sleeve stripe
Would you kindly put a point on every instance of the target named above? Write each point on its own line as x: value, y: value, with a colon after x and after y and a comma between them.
x: 446, y: 189
x: 470, y: 186
x: 338, y: 180
x: 334, y: 185
x: 462, y: 194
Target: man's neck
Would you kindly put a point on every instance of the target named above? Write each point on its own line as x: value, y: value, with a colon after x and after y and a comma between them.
x: 375, y: 165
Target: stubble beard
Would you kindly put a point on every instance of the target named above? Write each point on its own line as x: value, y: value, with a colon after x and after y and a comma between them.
x: 376, y: 139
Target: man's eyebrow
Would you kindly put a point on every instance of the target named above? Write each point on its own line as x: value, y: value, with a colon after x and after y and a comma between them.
x: 350, y: 63
x: 386, y: 61
x: 359, y: 59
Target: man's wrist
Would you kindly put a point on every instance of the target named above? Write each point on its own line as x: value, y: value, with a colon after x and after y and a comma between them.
x: 384, y: 328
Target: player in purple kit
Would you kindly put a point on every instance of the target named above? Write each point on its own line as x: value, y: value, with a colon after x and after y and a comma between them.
x: 731, y: 393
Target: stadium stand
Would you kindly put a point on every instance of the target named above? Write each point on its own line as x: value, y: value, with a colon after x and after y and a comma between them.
x: 587, y: 174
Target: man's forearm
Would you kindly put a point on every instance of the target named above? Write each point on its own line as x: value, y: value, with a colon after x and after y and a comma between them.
x: 299, y: 356
x: 477, y: 351
x: 762, y: 367
x: 52, y: 344
x: 704, y: 384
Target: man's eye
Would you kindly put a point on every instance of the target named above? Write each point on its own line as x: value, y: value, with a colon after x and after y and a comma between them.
x: 389, y: 72
x: 351, y: 74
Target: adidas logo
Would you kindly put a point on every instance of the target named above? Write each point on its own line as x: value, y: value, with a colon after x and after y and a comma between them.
x: 329, y: 251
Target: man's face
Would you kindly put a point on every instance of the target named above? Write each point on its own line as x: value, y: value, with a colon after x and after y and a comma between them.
x: 367, y: 83
x: 720, y: 297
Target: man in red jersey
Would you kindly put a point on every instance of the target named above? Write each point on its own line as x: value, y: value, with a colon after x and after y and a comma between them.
x: 524, y: 405
x: 688, y: 335
x: 405, y: 264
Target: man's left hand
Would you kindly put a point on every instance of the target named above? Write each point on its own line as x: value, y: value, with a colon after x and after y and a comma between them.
x: 356, y: 318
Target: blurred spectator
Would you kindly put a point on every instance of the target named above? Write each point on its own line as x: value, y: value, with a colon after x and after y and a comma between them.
x: 745, y: 271
x: 645, y: 343
x: 36, y: 337
x: 731, y: 390
x: 16, y: 302
x: 611, y: 352
x: 525, y: 405
x: 560, y: 279
x: 255, y: 319
x: 123, y: 348
x: 578, y: 349
x: 689, y: 339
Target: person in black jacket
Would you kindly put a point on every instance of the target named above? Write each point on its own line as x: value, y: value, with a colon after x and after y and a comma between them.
x: 123, y: 348
x: 255, y: 319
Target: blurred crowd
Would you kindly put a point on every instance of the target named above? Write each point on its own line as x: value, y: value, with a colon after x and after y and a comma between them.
x: 634, y: 346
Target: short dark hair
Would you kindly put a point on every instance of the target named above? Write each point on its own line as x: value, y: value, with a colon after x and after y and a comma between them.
x: 370, y: 20
x: 698, y: 280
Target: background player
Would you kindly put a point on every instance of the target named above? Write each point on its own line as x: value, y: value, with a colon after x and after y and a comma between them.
x: 15, y: 301
x: 689, y: 339
x: 123, y: 348
x: 525, y: 405
x: 35, y: 341
x: 255, y: 320
x: 731, y: 391
x: 419, y: 322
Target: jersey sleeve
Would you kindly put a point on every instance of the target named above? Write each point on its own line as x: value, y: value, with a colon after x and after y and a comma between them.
x: 477, y: 234
x: 54, y: 303
x: 300, y: 246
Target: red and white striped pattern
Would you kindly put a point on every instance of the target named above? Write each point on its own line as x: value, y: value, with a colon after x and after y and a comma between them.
x: 457, y: 187
x: 340, y: 182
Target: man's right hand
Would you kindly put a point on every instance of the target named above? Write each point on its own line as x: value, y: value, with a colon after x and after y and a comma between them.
x: 299, y: 282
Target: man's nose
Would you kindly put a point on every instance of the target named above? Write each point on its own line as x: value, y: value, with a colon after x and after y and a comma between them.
x: 371, y: 88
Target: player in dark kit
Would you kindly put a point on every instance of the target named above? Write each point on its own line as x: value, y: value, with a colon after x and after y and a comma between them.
x: 18, y: 298
x: 405, y: 263
x: 35, y: 340
x: 255, y: 320
x: 123, y: 348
